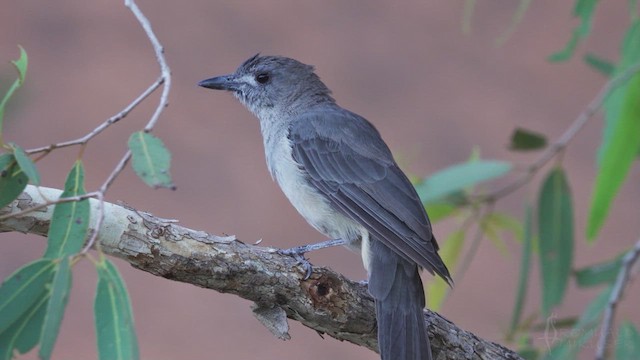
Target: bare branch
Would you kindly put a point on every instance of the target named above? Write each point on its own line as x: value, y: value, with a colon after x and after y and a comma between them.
x: 100, y: 128
x: 164, y: 78
x: 326, y: 302
x: 164, y: 68
x: 623, y: 278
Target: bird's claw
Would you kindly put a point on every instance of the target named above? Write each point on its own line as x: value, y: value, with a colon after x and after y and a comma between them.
x: 298, y: 254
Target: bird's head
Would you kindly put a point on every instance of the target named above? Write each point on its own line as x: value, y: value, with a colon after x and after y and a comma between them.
x: 267, y: 83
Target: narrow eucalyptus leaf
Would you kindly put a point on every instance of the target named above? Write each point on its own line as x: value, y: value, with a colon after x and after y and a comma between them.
x: 12, y: 180
x: 26, y: 165
x: 113, y: 316
x: 70, y: 220
x: 151, y: 160
x: 555, y: 228
x: 22, y: 289
x: 59, y: 295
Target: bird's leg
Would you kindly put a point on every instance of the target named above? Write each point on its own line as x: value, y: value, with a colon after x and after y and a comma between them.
x: 297, y: 252
x: 301, y: 250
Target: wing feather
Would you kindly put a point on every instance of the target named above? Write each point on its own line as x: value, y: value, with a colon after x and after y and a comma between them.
x: 347, y: 160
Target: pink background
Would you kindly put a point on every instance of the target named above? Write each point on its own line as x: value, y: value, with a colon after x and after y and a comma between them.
x: 433, y: 92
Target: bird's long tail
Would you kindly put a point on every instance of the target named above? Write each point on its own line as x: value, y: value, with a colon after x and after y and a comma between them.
x: 397, y: 289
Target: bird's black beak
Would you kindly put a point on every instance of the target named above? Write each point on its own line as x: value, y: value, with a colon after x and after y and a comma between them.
x: 225, y: 82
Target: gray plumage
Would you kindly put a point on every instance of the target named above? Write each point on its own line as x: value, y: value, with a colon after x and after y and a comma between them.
x: 341, y: 177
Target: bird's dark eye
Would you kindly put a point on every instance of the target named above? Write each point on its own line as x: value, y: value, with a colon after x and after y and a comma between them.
x: 262, y: 78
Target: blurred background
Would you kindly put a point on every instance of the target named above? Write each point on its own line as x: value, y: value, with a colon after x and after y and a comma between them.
x: 433, y: 92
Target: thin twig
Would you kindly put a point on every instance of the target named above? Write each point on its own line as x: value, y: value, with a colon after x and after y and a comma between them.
x: 558, y: 146
x: 165, y: 78
x: 99, y: 222
x: 110, y: 121
x: 116, y: 171
x: 623, y: 278
x: 475, y: 243
x: 164, y: 68
x: 93, y: 194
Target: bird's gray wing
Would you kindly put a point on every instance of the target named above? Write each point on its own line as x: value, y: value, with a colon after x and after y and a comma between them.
x: 346, y: 159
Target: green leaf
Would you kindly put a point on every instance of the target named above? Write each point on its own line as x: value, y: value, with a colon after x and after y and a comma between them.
x: 555, y: 228
x: 602, y: 273
x: 506, y: 222
x: 523, y: 277
x: 583, y: 9
x: 59, y: 294
x: 583, y: 330
x: 591, y: 315
x: 617, y: 158
x: 475, y: 154
x: 459, y: 177
x: 114, y: 319
x: 525, y: 140
x: 22, y: 289
x: 21, y: 66
x: 562, y: 350
x: 12, y: 179
x: 603, y: 66
x: 493, y: 234
x: 24, y: 334
x: 151, y: 160
x: 26, y: 165
x: 566, y: 53
x: 70, y: 220
x: 630, y: 50
x: 450, y: 252
x: 630, y: 55
x: 628, y: 342
x: 440, y: 211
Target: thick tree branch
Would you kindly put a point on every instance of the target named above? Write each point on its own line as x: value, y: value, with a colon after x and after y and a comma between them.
x: 327, y: 302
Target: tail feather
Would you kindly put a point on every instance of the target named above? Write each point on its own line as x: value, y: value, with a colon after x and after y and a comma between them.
x: 397, y: 289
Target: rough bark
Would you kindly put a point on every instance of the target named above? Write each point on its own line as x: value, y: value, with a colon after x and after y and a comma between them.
x: 326, y: 302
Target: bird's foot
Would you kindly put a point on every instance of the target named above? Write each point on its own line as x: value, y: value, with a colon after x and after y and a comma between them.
x: 297, y: 253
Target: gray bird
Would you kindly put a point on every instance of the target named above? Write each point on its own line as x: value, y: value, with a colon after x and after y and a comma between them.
x: 339, y: 174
